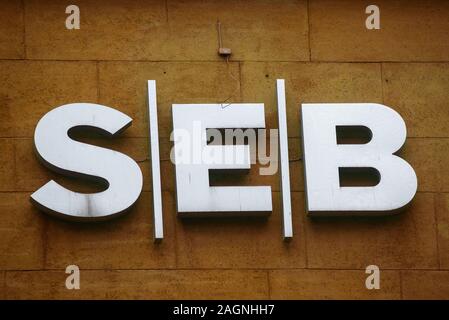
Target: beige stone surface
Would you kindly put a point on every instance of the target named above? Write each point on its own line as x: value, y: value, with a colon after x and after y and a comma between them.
x: 2, y: 285
x: 331, y: 284
x: 428, y: 157
x: 442, y: 214
x: 7, y: 164
x: 122, y: 243
x: 29, y: 89
x: 308, y: 83
x: 108, y: 30
x: 419, y: 92
x: 21, y: 233
x: 253, y: 30
x: 242, y: 242
x: 12, y: 30
x: 172, y: 30
x: 140, y: 284
x: 409, y: 31
x: 425, y: 285
x: 403, y: 241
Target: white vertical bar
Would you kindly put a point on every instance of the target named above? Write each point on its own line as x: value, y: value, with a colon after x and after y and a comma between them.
x: 155, y: 162
x: 284, y: 162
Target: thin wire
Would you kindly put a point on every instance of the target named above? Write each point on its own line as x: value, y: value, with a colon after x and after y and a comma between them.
x: 228, y: 67
x: 219, y: 34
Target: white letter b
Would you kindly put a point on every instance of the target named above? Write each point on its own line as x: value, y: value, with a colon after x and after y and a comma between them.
x: 324, y: 157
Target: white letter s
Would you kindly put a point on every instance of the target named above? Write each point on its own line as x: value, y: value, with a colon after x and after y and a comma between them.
x: 62, y: 154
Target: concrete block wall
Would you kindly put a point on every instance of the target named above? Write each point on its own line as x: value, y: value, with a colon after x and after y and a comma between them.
x: 323, y: 51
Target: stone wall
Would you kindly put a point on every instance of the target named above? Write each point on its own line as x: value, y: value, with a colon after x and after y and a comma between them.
x: 323, y: 51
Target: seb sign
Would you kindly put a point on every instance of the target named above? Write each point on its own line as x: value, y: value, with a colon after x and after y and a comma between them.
x: 194, y: 155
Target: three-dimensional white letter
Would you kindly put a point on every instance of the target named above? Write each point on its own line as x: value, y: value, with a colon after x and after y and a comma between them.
x: 323, y: 157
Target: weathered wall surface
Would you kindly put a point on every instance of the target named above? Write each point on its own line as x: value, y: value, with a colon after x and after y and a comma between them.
x: 324, y: 52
